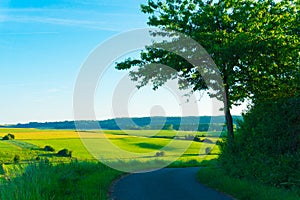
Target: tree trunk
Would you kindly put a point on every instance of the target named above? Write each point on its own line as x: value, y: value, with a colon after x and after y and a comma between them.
x: 228, y: 116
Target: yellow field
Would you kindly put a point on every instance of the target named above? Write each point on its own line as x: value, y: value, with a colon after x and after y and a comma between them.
x: 107, y: 145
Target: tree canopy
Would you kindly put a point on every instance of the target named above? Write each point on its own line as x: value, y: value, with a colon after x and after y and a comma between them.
x: 254, y: 44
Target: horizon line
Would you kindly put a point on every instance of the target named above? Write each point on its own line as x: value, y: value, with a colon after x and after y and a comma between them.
x: 70, y: 120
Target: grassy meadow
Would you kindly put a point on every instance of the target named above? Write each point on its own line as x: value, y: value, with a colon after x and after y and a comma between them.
x: 29, y: 144
x: 40, y: 174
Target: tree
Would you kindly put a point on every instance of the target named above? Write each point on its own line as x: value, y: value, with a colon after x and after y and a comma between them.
x: 9, y: 136
x: 267, y: 146
x: 65, y: 153
x: 168, y: 127
x: 254, y: 44
x: 49, y: 148
x: 17, y: 159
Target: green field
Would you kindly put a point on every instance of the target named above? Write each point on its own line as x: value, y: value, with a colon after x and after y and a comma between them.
x: 41, y: 174
x: 137, y: 145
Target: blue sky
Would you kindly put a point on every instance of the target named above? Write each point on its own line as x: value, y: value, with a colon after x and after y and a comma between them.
x: 43, y: 44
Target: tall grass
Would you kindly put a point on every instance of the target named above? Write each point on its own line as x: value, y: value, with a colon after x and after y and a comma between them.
x: 75, y: 180
x: 241, y: 188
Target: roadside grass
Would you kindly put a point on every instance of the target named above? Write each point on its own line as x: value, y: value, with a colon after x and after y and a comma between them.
x: 82, y: 177
x: 55, y: 177
x: 68, y: 181
x: 216, y: 178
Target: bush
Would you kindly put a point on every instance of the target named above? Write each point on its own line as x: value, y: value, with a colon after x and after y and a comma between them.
x: 160, y: 153
x: 267, y: 144
x: 9, y: 137
x: 5, y: 138
x: 16, y: 159
x: 49, y: 148
x: 12, y: 136
x: 65, y: 153
x: 3, y: 169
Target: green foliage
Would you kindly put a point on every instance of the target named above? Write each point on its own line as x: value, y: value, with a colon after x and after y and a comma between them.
x: 3, y: 169
x: 254, y: 44
x: 31, y: 143
x: 197, y: 139
x: 64, y: 153
x: 267, y: 147
x: 242, y: 188
x: 49, y: 148
x: 168, y: 127
x: 182, y: 123
x: 160, y: 153
x: 5, y: 138
x: 9, y: 137
x: 16, y: 159
x: 76, y: 180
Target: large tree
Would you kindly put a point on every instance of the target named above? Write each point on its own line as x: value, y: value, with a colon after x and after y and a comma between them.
x: 254, y: 44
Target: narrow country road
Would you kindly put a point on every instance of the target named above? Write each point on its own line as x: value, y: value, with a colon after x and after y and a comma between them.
x: 164, y: 184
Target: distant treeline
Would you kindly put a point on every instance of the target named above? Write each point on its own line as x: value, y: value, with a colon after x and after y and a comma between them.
x: 203, y: 123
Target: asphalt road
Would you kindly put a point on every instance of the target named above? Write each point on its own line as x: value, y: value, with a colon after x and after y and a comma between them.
x: 164, y: 184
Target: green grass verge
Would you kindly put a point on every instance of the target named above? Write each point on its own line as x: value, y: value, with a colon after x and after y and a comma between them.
x: 242, y: 189
x: 75, y: 180
x: 65, y: 178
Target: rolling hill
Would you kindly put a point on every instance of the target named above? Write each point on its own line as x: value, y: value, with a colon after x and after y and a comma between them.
x: 192, y: 123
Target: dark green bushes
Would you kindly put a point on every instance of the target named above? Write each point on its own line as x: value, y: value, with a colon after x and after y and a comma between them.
x: 160, y: 154
x: 49, y: 148
x: 65, y: 153
x: 267, y: 144
x: 9, y: 137
x: 3, y: 169
x: 17, y: 159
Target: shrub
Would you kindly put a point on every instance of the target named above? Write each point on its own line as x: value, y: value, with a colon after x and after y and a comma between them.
x: 82, y: 180
x: 5, y: 137
x: 3, y: 169
x: 267, y: 144
x: 49, y: 148
x: 12, y: 136
x: 160, y: 153
x: 65, y: 153
x: 9, y: 137
x: 192, y: 162
x: 16, y: 159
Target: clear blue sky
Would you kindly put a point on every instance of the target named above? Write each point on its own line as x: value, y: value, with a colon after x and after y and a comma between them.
x: 42, y: 46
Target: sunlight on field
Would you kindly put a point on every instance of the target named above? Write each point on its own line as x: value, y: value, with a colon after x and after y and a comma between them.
x: 105, y: 145
x: 28, y: 134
